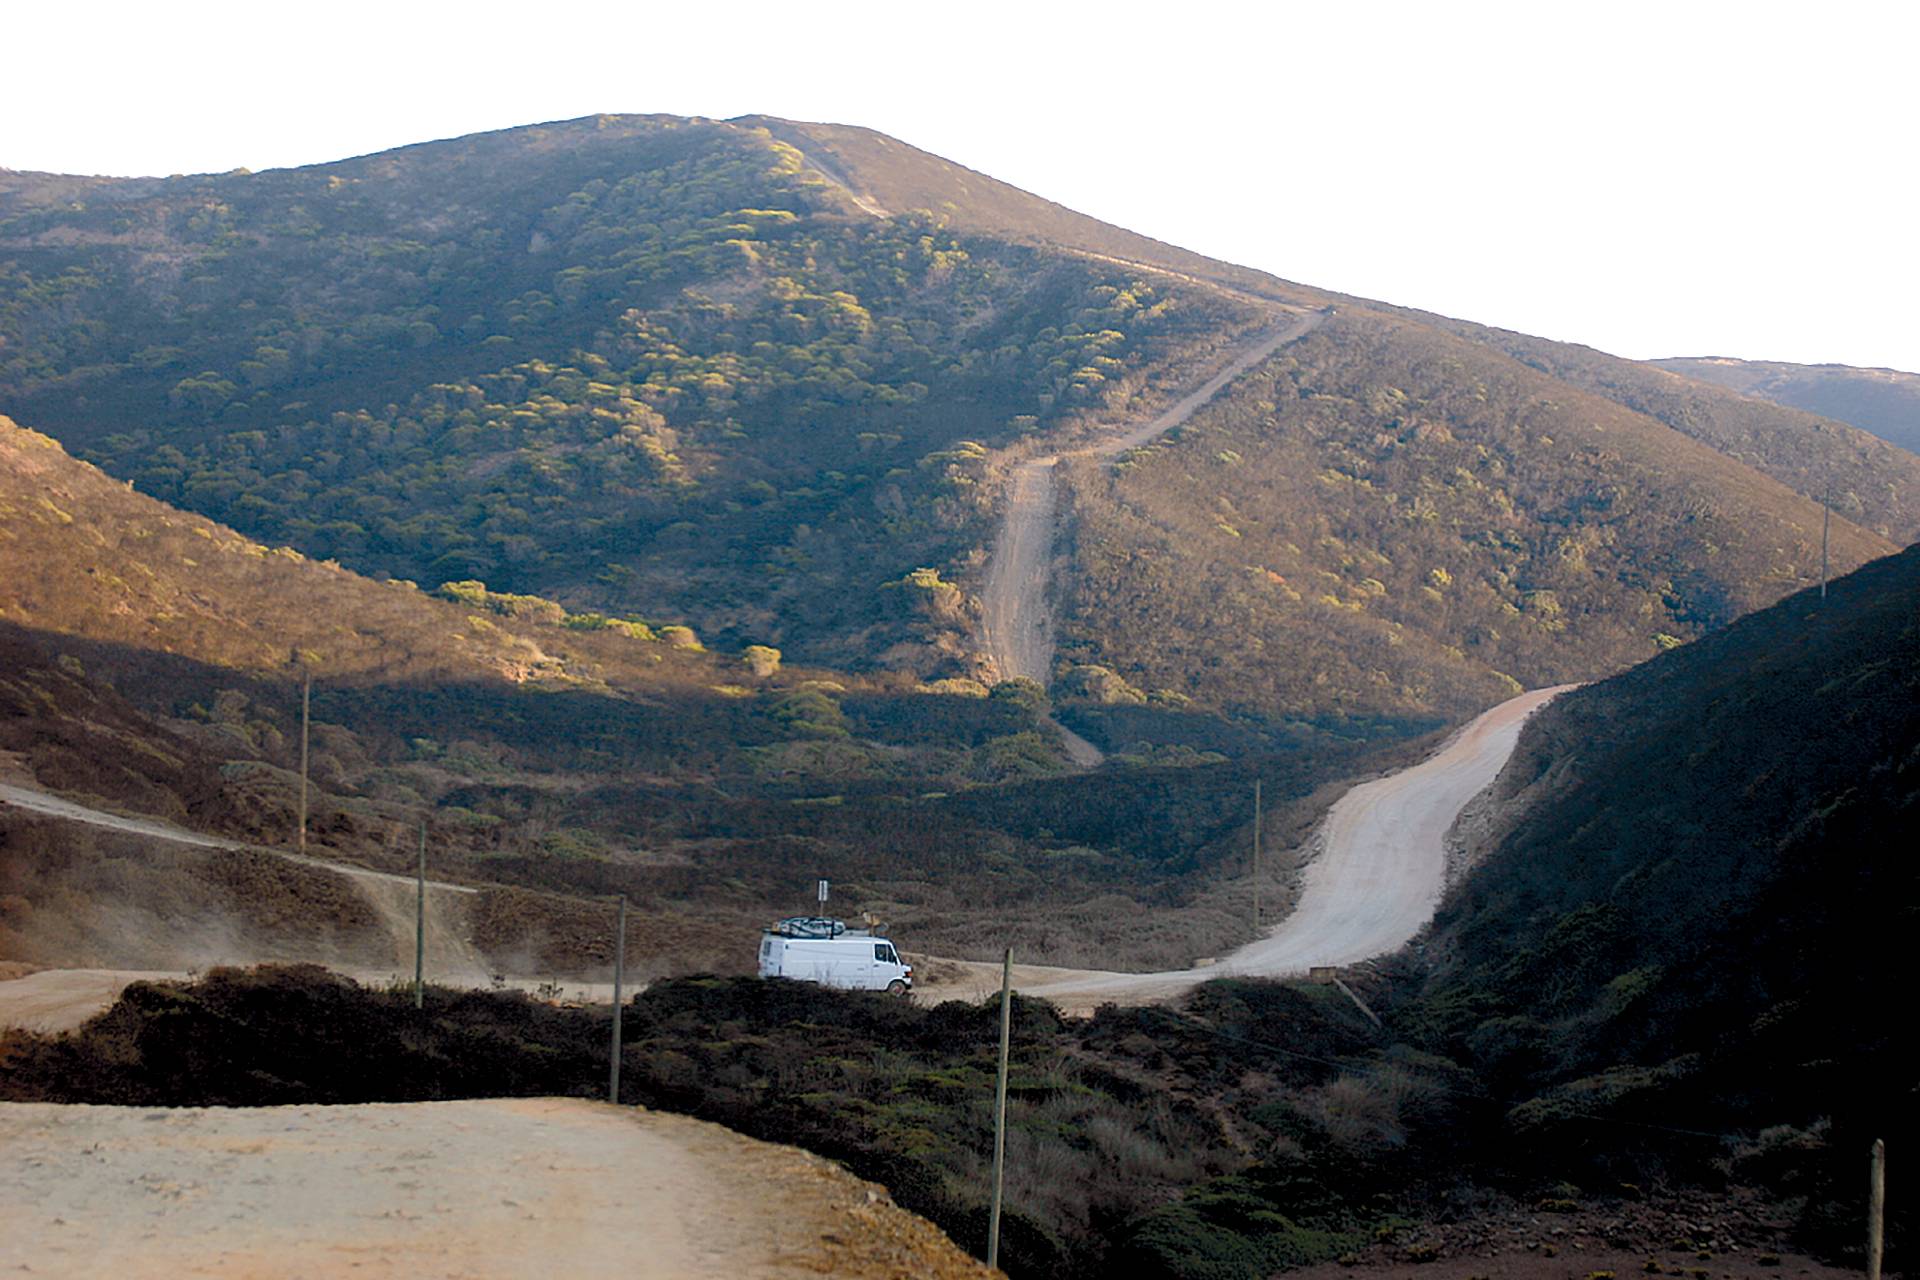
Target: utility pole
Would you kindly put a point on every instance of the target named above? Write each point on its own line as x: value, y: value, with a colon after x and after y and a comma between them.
x: 306, y: 710
x: 1826, y: 524
x: 1876, y: 1208
x: 619, y: 971
x: 1256, y: 855
x: 420, y: 925
x: 1000, y: 1109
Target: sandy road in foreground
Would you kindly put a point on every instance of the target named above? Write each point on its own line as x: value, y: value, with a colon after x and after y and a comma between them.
x: 531, y: 1187
x: 1374, y: 885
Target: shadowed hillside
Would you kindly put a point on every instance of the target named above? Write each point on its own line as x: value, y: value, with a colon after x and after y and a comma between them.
x: 63, y: 730
x: 1697, y: 884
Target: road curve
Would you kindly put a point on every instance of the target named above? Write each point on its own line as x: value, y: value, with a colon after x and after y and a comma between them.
x: 1016, y: 626
x: 1373, y: 887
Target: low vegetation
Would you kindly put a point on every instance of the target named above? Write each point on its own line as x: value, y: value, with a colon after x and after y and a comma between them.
x: 1386, y: 522
x: 638, y: 364
x: 1883, y: 401
x: 1873, y: 483
x: 1697, y: 883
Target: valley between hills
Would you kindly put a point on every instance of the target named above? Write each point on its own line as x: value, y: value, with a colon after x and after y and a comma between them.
x: 691, y: 510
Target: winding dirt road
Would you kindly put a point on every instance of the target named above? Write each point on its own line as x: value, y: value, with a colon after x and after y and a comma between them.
x: 505, y: 1187
x: 1016, y: 628
x: 1374, y: 885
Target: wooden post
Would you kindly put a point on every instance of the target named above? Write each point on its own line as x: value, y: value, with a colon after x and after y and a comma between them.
x: 619, y: 971
x: 420, y: 925
x: 306, y: 712
x: 1876, y: 1209
x: 1826, y: 523
x: 1000, y: 1109
x: 1256, y: 856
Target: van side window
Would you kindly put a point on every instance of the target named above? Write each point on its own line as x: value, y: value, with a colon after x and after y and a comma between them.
x: 882, y: 952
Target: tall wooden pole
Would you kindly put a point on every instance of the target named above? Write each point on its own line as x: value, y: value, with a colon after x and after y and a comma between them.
x: 420, y: 924
x: 306, y: 711
x: 1000, y: 1109
x: 619, y: 971
x: 1826, y: 523
x: 1876, y: 1208
x: 1256, y: 855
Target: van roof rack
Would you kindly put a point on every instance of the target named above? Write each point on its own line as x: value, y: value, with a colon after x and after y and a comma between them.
x: 808, y: 927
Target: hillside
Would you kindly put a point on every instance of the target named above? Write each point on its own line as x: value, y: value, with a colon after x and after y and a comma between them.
x: 152, y: 664
x: 1876, y: 487
x: 1872, y: 483
x: 1388, y: 520
x: 638, y: 364
x: 892, y: 175
x: 764, y: 378
x: 92, y: 558
x: 1692, y: 885
x: 1883, y: 401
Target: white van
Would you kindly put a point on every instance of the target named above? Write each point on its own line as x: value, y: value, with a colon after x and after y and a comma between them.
x: 814, y: 949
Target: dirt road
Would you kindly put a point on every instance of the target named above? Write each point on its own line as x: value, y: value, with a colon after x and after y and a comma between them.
x: 1374, y: 885
x: 54, y: 807
x: 54, y: 1000
x: 505, y: 1187
x: 1016, y: 629
x: 1016, y: 626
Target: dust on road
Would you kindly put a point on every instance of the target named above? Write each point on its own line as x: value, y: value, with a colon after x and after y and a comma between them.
x: 34, y: 800
x: 54, y: 1000
x: 498, y: 1188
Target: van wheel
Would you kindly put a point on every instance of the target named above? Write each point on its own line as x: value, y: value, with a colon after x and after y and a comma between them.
x: 896, y: 988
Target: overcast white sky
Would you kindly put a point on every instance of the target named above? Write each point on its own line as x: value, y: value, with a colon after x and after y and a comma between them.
x: 1653, y: 179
